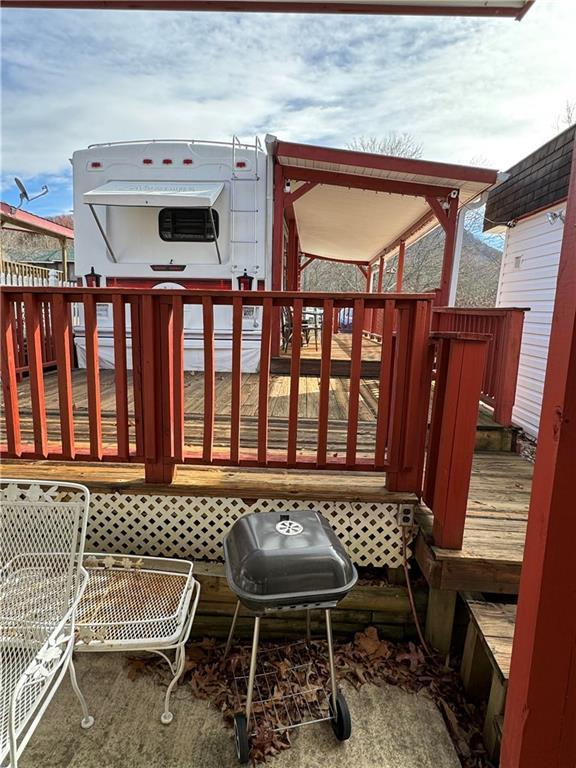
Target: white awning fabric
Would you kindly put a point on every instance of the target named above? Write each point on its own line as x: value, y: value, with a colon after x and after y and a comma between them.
x: 155, y: 194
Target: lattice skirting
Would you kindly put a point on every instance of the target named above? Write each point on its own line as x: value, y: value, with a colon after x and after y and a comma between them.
x: 194, y: 527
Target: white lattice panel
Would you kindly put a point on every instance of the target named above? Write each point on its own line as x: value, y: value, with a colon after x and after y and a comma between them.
x: 194, y: 527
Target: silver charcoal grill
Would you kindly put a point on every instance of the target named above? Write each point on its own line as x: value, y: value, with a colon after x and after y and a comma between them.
x: 280, y: 562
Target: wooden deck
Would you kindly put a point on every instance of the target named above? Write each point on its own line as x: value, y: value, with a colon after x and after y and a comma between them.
x: 491, y: 556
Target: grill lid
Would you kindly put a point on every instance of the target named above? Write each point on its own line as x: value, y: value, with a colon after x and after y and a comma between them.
x: 276, y: 559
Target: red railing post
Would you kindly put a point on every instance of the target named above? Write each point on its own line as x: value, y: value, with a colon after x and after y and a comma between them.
x: 459, y: 371
x: 8, y: 357
x: 509, y: 362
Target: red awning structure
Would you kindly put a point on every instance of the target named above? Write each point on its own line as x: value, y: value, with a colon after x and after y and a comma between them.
x: 360, y: 208
x: 15, y: 218
x: 514, y: 9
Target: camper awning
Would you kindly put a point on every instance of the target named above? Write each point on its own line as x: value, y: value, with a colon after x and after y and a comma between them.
x: 152, y: 194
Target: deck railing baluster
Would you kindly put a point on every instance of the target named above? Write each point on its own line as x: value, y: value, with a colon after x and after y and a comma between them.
x: 264, y: 381
x: 93, y: 376
x: 329, y: 312
x: 8, y: 366
x: 62, y: 337
x: 236, y: 381
x: 294, y: 382
x: 34, y: 344
x: 355, y: 376
x: 120, y: 376
x: 178, y: 377
x: 209, y: 380
x: 385, y: 383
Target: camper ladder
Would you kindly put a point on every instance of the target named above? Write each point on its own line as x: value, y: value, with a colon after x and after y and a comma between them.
x: 244, y: 210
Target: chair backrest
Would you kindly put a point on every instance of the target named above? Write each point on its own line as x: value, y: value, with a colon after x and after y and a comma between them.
x: 42, y: 533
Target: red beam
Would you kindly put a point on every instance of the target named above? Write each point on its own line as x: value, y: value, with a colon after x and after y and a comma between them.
x: 356, y: 181
x: 291, y: 6
x: 383, y: 162
x: 539, y: 724
x: 291, y: 198
x: 29, y: 221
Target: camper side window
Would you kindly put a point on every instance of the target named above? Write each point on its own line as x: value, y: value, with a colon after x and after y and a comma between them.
x: 193, y: 225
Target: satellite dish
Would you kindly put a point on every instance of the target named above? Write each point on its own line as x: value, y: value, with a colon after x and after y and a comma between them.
x: 24, y: 196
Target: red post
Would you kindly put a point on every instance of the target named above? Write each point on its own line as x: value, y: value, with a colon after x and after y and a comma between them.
x: 236, y: 379
x: 384, y: 385
x: 400, y: 267
x: 93, y: 376
x: 325, y: 366
x: 209, y: 379
x: 264, y: 382
x: 277, y: 253
x: 178, y: 377
x: 294, y: 381
x: 459, y: 372
x: 540, y: 719
x: 62, y: 327
x: 292, y: 257
x: 381, y: 265
x: 449, y: 225
x: 355, y: 373
x: 34, y: 346
x: 121, y: 377
x: 509, y: 360
x: 9, y: 383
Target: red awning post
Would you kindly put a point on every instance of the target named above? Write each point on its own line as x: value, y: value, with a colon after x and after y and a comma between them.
x: 277, y: 252
x: 400, y: 267
x: 540, y: 718
x: 292, y: 257
x: 447, y: 214
x: 381, y: 265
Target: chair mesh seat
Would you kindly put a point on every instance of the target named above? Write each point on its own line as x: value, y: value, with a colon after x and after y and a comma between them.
x: 132, y: 606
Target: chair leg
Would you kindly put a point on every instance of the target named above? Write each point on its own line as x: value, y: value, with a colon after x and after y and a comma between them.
x: 87, y: 719
x: 166, y: 717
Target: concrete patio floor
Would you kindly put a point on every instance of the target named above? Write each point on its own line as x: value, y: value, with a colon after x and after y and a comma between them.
x: 390, y: 729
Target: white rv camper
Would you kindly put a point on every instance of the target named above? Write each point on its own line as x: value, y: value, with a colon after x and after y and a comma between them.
x: 176, y: 214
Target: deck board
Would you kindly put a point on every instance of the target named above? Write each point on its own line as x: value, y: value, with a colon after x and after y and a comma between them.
x: 493, y: 547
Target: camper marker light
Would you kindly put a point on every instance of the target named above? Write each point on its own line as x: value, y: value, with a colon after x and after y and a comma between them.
x: 95, y: 164
x: 167, y: 161
x: 241, y: 164
x: 147, y: 161
x: 187, y: 161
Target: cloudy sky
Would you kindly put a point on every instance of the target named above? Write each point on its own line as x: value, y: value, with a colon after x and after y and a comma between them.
x: 483, y: 90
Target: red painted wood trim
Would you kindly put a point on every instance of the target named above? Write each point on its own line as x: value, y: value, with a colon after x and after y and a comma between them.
x: 93, y: 375
x: 284, y: 6
x: 9, y: 383
x: 300, y: 192
x: 178, y: 377
x: 277, y: 253
x: 384, y: 162
x: 541, y: 699
x: 292, y: 256
x: 294, y: 381
x: 209, y: 378
x: 34, y: 347
x: 440, y: 212
x: 400, y: 266
x: 120, y: 376
x: 137, y: 386
x: 236, y: 383
x: 355, y: 374
x: 455, y: 444
x: 384, y: 384
x: 329, y: 318
x: 264, y: 381
x: 63, y: 337
x: 356, y: 181
x: 448, y: 259
x: 32, y: 223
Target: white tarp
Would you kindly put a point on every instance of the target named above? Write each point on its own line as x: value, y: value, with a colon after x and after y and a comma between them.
x: 155, y: 194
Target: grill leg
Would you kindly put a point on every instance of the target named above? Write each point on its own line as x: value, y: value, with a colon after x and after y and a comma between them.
x: 331, y: 658
x: 252, y: 673
x: 232, y: 628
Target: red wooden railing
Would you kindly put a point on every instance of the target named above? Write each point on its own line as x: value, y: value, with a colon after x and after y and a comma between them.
x: 149, y: 418
x: 156, y: 434
x: 504, y: 328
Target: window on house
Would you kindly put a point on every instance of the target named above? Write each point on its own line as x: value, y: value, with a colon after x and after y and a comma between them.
x: 192, y: 225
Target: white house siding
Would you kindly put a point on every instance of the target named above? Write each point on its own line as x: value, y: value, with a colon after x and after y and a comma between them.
x: 528, y: 279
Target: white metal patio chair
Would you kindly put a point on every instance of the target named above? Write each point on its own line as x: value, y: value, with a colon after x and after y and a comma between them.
x: 42, y: 532
x: 135, y: 604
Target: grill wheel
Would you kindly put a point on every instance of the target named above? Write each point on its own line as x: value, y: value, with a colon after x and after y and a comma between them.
x: 341, y: 723
x: 241, y: 738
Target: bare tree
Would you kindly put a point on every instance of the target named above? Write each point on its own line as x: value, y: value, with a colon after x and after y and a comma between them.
x: 566, y: 117
x: 396, y: 144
